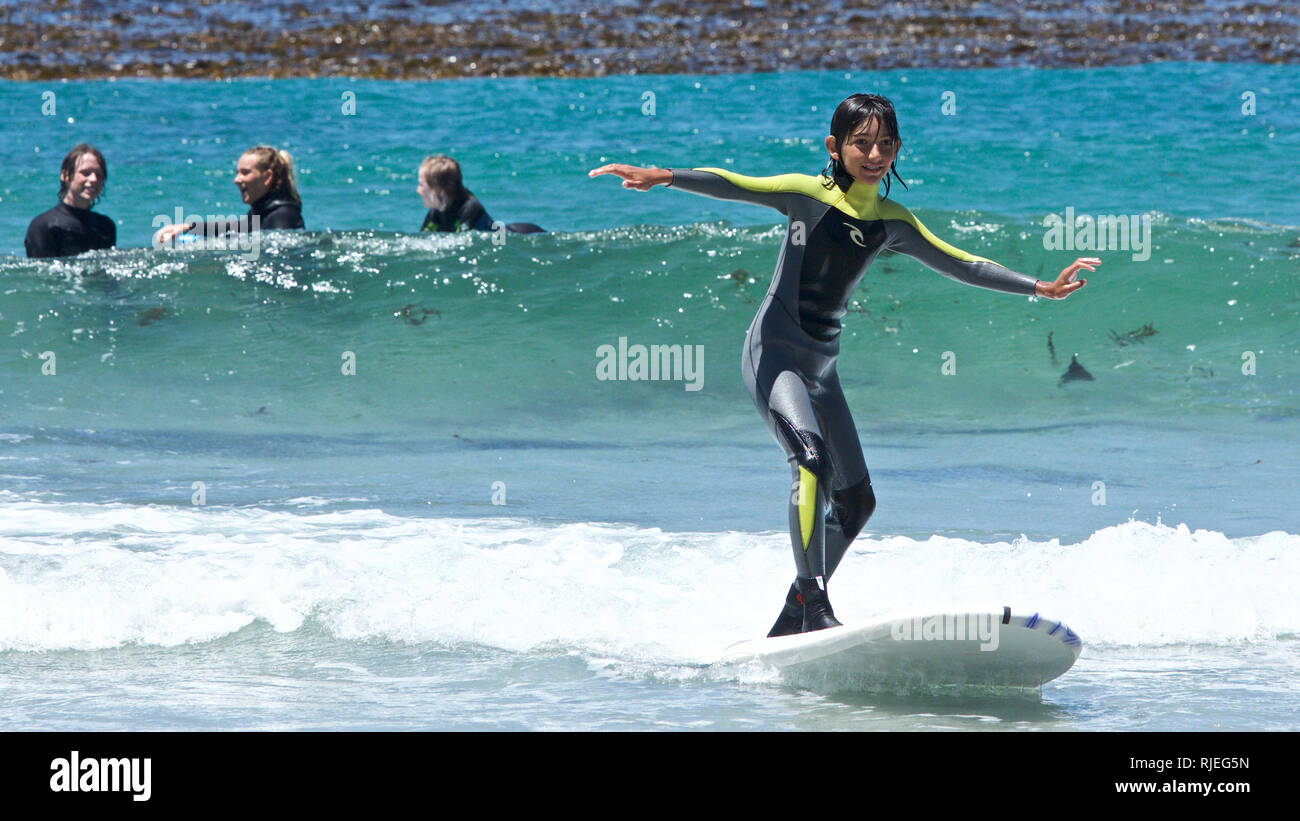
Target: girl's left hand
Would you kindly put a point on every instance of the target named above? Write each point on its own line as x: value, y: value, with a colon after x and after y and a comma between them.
x: 1067, y: 283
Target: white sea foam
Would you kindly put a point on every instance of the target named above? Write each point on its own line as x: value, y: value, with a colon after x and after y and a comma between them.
x: 87, y: 576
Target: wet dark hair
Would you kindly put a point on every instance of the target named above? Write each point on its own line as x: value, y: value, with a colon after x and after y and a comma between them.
x: 69, y: 168
x: 848, y: 118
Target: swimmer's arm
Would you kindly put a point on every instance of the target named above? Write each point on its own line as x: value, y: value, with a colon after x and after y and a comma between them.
x: 221, y: 228
x: 165, y: 235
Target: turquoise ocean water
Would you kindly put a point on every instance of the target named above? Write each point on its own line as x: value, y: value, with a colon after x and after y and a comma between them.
x: 360, y: 478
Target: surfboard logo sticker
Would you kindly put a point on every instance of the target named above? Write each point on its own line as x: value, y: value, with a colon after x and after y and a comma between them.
x: 1069, y: 637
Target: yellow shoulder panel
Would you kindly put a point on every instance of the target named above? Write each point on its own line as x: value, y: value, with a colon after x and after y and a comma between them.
x: 891, y: 210
x: 781, y: 183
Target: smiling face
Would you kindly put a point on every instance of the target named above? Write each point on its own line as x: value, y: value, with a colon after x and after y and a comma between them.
x: 866, y: 152
x: 252, y: 182
x: 85, y: 183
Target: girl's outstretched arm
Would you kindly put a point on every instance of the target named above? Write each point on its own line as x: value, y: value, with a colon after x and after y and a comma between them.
x: 909, y: 236
x: 782, y: 192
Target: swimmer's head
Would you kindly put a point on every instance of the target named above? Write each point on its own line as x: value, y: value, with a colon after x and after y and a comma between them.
x: 82, y: 176
x: 440, y: 182
x: 263, y: 170
x: 863, y: 142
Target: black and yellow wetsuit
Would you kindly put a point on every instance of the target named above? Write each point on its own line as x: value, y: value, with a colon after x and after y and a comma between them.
x: 791, y: 348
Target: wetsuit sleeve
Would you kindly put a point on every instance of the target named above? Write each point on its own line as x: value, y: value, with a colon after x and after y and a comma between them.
x: 218, y: 228
x: 777, y: 192
x: 283, y: 214
x: 908, y: 236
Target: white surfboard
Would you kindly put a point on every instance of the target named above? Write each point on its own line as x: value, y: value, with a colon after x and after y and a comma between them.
x: 944, y: 651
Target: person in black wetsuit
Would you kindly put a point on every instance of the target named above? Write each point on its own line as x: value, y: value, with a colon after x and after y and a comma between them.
x: 265, y: 179
x: 839, y: 223
x: 452, y: 206
x: 71, y: 227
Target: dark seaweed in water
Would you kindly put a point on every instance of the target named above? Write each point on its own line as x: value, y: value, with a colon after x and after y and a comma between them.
x: 54, y: 39
x: 417, y: 314
x: 1133, y: 336
x: 151, y: 315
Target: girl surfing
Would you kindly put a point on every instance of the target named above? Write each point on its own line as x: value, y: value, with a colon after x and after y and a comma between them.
x: 838, y: 223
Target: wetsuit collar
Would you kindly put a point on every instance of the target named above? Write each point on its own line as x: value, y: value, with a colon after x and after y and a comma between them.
x: 268, y: 202
x: 862, y: 198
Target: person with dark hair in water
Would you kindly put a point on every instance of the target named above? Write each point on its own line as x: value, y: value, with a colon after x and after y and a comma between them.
x: 265, y: 179
x: 71, y: 227
x: 452, y: 206
x: 839, y: 223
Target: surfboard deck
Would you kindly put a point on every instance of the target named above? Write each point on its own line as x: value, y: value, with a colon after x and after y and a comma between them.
x: 960, y: 650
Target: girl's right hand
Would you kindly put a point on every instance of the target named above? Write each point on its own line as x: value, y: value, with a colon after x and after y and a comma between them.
x: 641, y: 179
